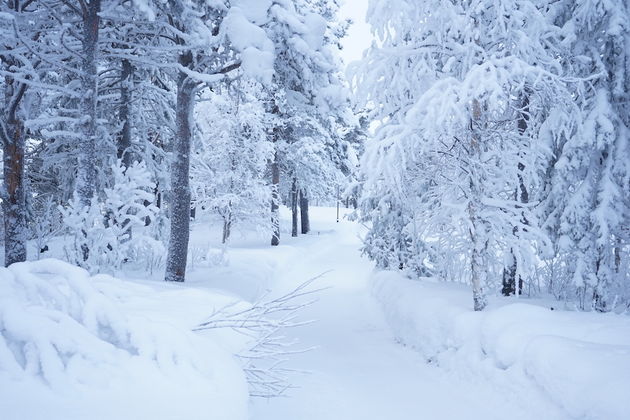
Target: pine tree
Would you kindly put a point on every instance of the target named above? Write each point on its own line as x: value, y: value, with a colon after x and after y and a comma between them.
x: 587, y: 204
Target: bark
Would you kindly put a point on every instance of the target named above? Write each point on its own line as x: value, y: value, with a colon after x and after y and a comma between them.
x: 477, y: 263
x: 478, y: 242
x: 275, y: 197
x: 617, y: 254
x: 509, y: 273
x: 180, y: 184
x: 86, y: 173
x: 124, y: 141
x: 14, y: 202
x: 158, y: 196
x: 227, y: 227
x: 13, y: 189
x: 294, y: 209
x: 305, y: 222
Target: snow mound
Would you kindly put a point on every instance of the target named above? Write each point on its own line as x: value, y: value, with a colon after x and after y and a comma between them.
x: 580, y: 360
x: 72, y: 349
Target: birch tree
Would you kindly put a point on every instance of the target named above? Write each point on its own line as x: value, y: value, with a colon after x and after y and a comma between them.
x: 447, y: 86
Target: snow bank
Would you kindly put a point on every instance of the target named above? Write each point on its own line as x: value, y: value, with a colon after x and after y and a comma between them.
x: 580, y: 360
x: 74, y: 347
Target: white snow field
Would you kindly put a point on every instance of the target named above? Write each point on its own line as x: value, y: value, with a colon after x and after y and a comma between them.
x: 384, y: 347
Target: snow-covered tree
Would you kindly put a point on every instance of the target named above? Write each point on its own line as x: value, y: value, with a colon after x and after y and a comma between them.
x: 460, y: 90
x: 588, y: 202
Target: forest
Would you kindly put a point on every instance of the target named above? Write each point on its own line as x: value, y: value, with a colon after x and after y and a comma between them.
x: 196, y: 193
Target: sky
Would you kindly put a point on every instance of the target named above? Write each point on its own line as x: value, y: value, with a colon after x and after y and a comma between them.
x: 359, y: 37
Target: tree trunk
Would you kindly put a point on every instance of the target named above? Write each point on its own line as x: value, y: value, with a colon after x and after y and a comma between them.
x: 275, y: 201
x: 126, y: 114
x: 14, y: 203
x: 305, y: 222
x: 294, y: 209
x: 617, y: 254
x: 478, y: 242
x: 85, y: 187
x: 509, y: 273
x: 227, y: 228
x: 180, y: 184
x: 477, y: 262
x: 86, y: 171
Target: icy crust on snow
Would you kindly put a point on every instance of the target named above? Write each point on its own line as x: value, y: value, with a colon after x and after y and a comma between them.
x: 75, y: 346
x: 580, y: 360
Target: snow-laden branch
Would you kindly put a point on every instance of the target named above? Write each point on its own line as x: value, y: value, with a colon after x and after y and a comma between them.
x: 264, y: 322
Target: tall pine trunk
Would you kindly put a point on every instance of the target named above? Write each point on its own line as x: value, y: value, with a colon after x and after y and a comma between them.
x: 305, y: 222
x: 86, y: 171
x: 13, y: 138
x: 275, y: 201
x: 294, y: 208
x: 180, y: 184
x: 14, y: 188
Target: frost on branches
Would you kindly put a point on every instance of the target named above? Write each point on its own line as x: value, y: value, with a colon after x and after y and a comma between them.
x: 474, y: 102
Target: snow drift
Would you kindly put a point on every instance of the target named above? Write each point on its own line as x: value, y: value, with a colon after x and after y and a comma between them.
x: 75, y: 346
x: 580, y: 360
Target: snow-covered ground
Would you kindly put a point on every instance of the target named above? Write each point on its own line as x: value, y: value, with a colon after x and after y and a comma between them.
x: 76, y: 347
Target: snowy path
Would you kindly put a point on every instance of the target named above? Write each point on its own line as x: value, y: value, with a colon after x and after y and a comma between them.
x: 359, y: 371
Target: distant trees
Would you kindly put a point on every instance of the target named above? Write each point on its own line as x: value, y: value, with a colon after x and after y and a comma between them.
x: 230, y: 156
x: 309, y: 104
x: 477, y: 104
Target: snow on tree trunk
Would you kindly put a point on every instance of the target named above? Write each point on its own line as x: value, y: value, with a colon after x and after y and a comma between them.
x: 180, y: 183
x: 275, y: 197
x: 476, y: 261
x: 86, y: 173
x: 294, y: 208
x: 477, y: 236
x: 304, y: 219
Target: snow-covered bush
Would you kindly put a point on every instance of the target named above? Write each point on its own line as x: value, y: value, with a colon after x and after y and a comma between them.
x: 118, y: 230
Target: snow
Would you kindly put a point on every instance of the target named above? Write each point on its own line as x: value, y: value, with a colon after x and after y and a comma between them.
x: 75, y: 346
x: 359, y: 369
x: 581, y: 361
x: 315, y: 30
x: 256, y: 49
